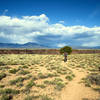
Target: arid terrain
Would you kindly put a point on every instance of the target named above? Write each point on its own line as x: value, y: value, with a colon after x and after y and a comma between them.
x: 48, y: 77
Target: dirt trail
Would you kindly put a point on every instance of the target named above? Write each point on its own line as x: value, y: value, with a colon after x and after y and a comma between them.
x: 78, y: 91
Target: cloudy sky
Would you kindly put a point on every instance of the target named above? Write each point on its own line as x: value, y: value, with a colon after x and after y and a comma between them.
x: 51, y: 22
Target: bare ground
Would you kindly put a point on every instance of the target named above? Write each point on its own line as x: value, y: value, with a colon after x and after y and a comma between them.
x: 78, y: 91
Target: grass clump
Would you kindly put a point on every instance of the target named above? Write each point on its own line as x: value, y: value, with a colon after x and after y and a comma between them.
x: 47, y: 82
x: 13, y: 71
x: 69, y: 78
x: 9, y: 91
x: 53, y: 82
x: 59, y: 86
x: 41, y: 76
x: 6, y: 97
x: 57, y: 82
x: 1, y: 63
x: 97, y: 89
x: 31, y: 97
x: 93, y: 78
x: 45, y: 97
x: 87, y: 84
x: 18, y: 80
x: 52, y: 75
x: 4, y: 67
x: 2, y: 86
x: 24, y: 66
x: 41, y: 86
x: 2, y: 75
x: 30, y: 84
x: 24, y: 72
x: 20, y: 84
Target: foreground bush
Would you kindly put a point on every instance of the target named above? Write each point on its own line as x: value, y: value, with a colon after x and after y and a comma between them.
x: 2, y: 75
x: 93, y: 79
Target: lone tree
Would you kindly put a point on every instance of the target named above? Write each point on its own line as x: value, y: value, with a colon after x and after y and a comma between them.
x: 65, y: 50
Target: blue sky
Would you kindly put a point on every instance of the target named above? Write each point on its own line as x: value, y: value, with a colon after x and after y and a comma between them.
x: 51, y: 22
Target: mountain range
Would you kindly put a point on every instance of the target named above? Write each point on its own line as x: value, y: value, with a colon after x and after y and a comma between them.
x: 36, y: 45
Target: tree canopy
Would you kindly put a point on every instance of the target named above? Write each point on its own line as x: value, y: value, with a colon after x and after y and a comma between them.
x: 66, y: 49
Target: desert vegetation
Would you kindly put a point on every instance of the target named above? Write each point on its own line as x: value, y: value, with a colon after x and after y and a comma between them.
x: 44, y: 77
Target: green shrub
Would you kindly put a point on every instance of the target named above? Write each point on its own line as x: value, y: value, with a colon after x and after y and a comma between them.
x: 6, y: 97
x: 70, y: 77
x: 31, y: 98
x: 93, y: 78
x: 47, y: 82
x: 45, y: 97
x: 2, y: 75
x: 87, y: 84
x: 4, y: 67
x: 30, y: 84
x: 9, y: 91
x: 50, y: 75
x: 40, y: 75
x: 21, y: 67
x: 19, y: 79
x: 97, y: 89
x: 1, y: 63
x: 53, y: 82
x: 24, y: 66
x: 59, y: 86
x: 20, y: 84
x: 24, y: 72
x: 41, y: 85
x: 2, y: 86
x: 13, y: 71
x: 34, y: 78
x: 57, y: 82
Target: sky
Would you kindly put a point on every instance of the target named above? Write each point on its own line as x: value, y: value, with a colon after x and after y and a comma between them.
x: 51, y: 22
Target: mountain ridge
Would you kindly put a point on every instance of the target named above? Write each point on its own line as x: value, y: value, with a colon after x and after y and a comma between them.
x: 37, y: 45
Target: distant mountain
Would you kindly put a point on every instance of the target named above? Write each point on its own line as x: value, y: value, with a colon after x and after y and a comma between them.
x: 97, y: 47
x: 37, y: 45
x: 26, y: 45
x: 85, y: 47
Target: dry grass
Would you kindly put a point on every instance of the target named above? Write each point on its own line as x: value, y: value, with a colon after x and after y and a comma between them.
x: 40, y: 77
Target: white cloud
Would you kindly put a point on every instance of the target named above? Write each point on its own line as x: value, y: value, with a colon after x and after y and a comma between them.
x: 22, y: 30
x: 27, y: 28
x: 61, y: 45
x: 90, y: 44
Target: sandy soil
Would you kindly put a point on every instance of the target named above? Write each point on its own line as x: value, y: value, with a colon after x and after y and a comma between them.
x: 79, y: 65
x: 78, y: 91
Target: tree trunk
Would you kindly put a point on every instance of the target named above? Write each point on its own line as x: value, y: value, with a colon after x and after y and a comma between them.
x: 65, y: 57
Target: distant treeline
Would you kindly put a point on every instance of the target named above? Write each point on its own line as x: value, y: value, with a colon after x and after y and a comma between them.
x: 44, y: 51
